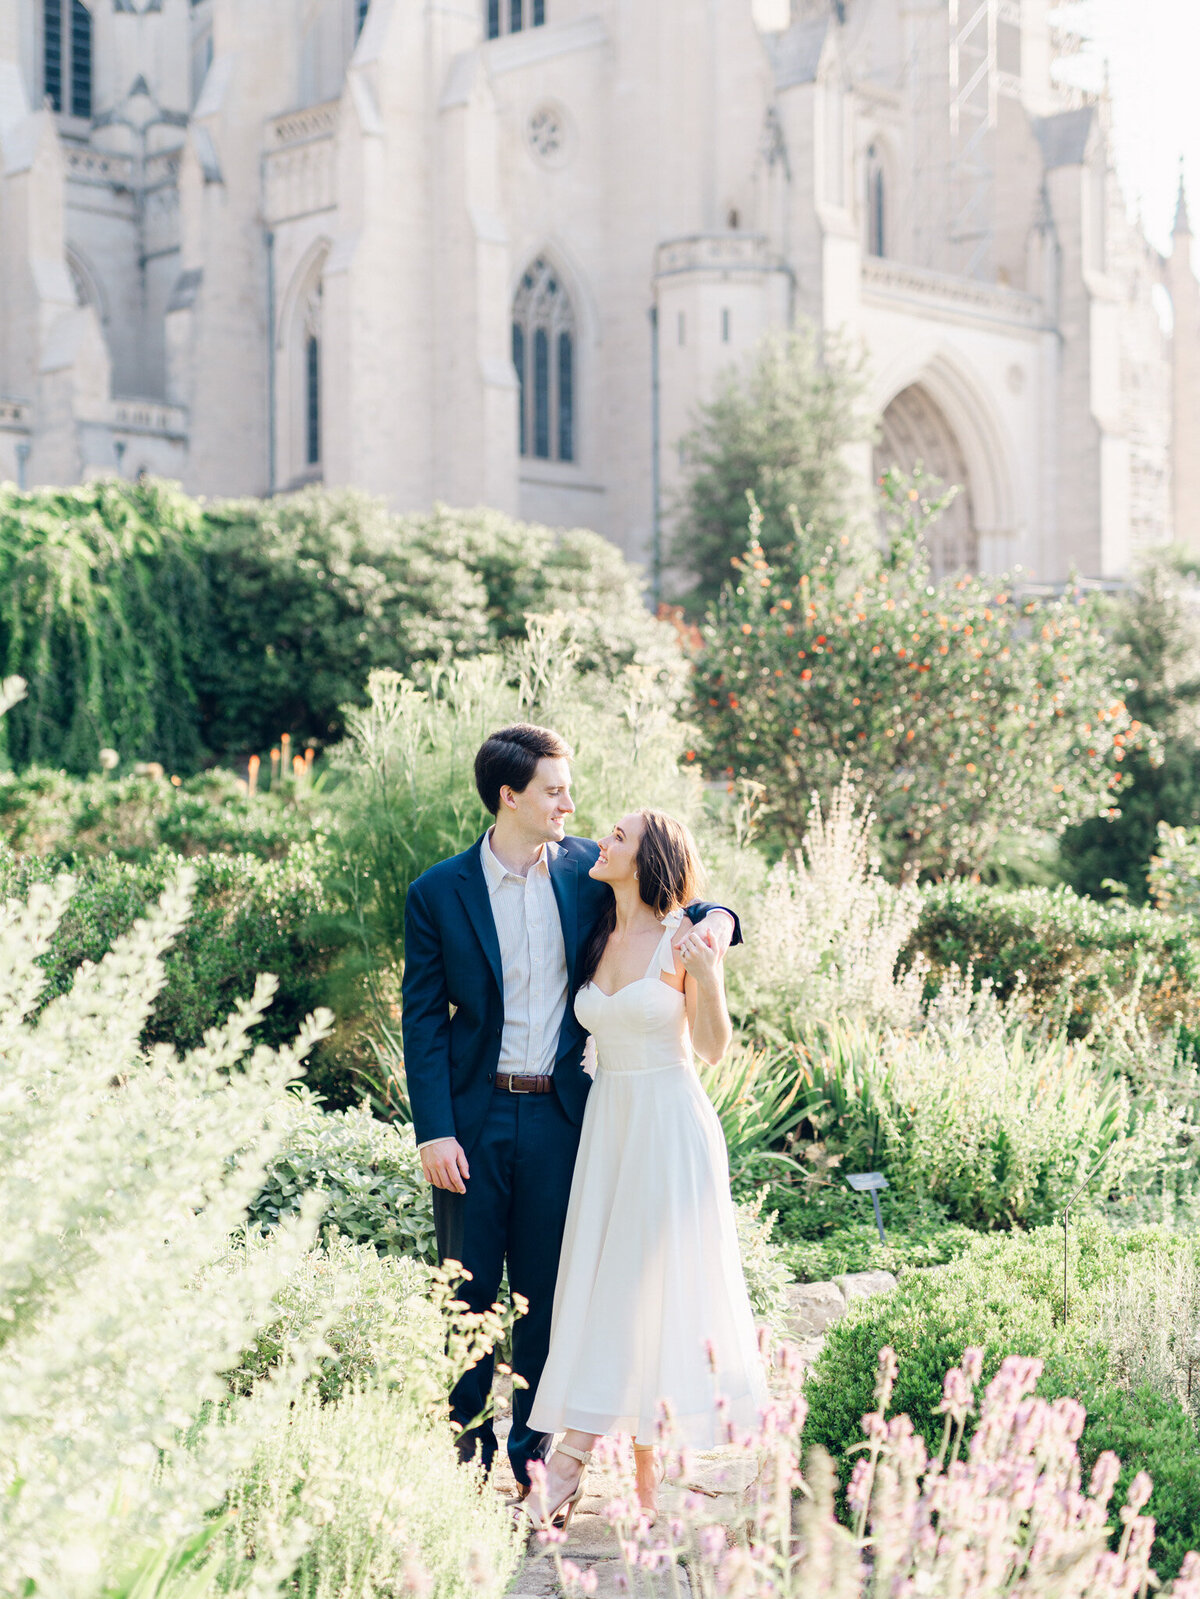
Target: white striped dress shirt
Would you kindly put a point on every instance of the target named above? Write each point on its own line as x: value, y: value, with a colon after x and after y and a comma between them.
x: 533, y: 960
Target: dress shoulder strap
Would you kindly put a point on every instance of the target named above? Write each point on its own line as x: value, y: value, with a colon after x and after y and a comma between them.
x: 663, y: 959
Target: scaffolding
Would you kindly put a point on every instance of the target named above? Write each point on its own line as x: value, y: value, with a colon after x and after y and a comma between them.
x: 925, y: 81
x: 977, y: 80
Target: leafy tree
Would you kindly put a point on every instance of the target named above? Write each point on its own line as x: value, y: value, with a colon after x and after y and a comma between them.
x: 1157, y: 622
x: 310, y: 593
x: 779, y: 430
x: 968, y: 712
x: 103, y: 610
x: 175, y: 632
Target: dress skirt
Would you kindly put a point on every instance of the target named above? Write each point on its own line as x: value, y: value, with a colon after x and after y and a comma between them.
x: 650, y: 1305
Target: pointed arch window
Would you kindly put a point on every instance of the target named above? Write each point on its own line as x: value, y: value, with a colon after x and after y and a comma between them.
x: 312, y: 401
x: 543, y: 345
x: 312, y: 381
x: 67, y: 56
x: 876, y: 205
x: 513, y: 16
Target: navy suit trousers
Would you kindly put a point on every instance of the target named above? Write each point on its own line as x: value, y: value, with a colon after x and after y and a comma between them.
x: 515, y: 1206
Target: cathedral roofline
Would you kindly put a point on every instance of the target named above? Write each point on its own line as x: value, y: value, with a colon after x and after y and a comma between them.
x: 1064, y: 136
x: 796, y: 55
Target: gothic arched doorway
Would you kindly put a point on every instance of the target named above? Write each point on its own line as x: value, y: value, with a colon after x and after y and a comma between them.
x: 916, y: 430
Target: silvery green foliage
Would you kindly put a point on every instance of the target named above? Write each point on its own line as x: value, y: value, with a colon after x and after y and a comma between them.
x: 368, y: 1171
x: 122, y: 1175
x: 377, y: 1505
x: 1150, y: 1320
x: 372, y: 1312
x: 767, y: 1276
x: 825, y: 937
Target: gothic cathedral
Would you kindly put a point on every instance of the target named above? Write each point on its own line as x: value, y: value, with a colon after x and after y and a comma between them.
x: 495, y: 251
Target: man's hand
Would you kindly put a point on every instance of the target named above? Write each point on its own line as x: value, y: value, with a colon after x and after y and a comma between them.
x: 717, y: 931
x: 445, y: 1165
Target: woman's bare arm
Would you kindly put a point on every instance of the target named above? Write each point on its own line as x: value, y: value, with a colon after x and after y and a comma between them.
x: 704, y: 992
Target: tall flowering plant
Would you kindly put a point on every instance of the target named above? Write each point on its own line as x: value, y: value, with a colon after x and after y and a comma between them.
x: 1005, y: 1514
x: 967, y: 711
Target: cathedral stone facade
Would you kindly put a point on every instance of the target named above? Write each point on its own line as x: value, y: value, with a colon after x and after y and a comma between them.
x: 495, y: 251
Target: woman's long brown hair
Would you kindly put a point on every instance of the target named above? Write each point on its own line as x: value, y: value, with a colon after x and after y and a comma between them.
x: 669, y: 877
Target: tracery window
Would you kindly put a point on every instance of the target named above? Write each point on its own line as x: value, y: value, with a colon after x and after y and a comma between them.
x: 512, y: 16
x: 543, y: 347
x: 876, y: 205
x: 67, y: 56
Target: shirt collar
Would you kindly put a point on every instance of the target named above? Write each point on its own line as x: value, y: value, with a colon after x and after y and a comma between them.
x: 494, y: 869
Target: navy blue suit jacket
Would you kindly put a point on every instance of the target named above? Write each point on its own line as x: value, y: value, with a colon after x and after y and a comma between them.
x: 452, y: 959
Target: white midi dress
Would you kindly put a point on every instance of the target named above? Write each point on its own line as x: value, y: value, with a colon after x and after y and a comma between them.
x: 650, y: 1303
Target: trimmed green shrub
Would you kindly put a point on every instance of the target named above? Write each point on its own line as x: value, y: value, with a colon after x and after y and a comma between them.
x: 857, y: 1248
x: 47, y: 812
x: 172, y: 631
x: 248, y: 916
x: 370, y: 1171
x: 1068, y: 954
x: 1150, y: 1432
x: 1003, y: 1295
x: 309, y: 593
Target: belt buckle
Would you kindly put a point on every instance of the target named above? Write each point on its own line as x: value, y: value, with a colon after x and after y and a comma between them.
x: 513, y: 1089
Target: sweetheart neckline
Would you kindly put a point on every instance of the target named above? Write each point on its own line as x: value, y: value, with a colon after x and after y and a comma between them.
x: 650, y: 977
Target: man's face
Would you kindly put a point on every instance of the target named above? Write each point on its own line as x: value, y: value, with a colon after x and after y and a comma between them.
x: 541, y: 809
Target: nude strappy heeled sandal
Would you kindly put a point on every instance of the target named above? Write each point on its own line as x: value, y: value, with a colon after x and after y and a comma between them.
x: 569, y: 1501
x: 660, y: 1475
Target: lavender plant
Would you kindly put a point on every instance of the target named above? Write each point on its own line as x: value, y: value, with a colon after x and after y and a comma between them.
x: 1009, y: 1514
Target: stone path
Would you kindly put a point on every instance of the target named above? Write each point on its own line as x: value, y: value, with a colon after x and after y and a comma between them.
x: 721, y: 1478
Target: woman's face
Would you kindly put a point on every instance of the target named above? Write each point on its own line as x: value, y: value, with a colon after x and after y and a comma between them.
x: 618, y: 852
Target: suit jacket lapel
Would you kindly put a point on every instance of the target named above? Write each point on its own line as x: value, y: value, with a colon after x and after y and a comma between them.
x: 564, y: 878
x: 473, y: 891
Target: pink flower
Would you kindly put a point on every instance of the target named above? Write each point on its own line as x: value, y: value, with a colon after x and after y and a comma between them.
x: 956, y: 1395
x: 858, y: 1491
x: 712, y: 1543
x: 1139, y: 1493
x: 414, y: 1578
x: 885, y: 1379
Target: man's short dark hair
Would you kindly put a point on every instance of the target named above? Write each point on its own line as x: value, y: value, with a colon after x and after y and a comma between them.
x: 509, y: 758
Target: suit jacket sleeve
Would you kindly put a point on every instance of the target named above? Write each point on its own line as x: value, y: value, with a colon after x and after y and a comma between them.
x: 426, y: 1022
x: 700, y: 908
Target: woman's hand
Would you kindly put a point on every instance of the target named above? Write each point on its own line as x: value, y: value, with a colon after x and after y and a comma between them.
x: 698, y: 957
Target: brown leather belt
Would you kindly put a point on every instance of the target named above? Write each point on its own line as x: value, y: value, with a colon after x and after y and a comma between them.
x: 523, y: 1085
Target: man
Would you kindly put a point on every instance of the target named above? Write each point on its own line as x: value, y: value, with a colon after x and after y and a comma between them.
x: 494, y: 1054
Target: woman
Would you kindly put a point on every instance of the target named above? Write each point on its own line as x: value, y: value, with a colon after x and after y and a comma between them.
x: 650, y: 1303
